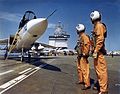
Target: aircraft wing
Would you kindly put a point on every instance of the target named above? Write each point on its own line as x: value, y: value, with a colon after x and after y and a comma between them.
x: 3, y: 41
x: 47, y: 45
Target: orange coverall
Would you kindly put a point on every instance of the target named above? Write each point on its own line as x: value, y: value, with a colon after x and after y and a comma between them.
x: 99, y: 62
x: 77, y: 48
x: 80, y: 75
x: 83, y: 64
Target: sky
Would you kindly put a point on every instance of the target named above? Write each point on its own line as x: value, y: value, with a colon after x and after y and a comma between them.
x: 69, y: 12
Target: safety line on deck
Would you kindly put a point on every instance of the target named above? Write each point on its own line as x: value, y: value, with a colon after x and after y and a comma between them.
x: 20, y: 78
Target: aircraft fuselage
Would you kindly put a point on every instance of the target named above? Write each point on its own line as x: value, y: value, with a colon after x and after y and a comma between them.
x: 30, y: 33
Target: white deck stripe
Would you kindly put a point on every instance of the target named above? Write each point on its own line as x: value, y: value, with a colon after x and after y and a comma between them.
x: 26, y: 76
x: 6, y: 72
x: 29, y: 71
x: 12, y: 82
x: 20, y: 78
x: 25, y: 71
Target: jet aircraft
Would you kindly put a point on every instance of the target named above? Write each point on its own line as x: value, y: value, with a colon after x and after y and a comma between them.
x: 30, y: 29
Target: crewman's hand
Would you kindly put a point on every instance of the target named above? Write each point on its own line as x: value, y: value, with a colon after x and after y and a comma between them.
x: 83, y: 54
x: 95, y: 55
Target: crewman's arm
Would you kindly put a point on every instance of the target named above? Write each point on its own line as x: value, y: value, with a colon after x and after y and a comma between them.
x: 100, y: 37
x: 86, y: 47
x: 91, y: 45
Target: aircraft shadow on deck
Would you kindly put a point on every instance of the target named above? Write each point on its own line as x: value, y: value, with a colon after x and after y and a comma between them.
x: 38, y: 63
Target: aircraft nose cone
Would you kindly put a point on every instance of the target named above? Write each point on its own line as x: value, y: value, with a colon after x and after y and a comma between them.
x: 37, y: 26
x: 36, y: 22
x: 41, y: 19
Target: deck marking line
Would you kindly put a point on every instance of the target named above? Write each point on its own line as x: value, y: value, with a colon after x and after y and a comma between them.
x: 20, y: 78
x: 25, y: 71
x: 12, y: 82
x: 6, y: 72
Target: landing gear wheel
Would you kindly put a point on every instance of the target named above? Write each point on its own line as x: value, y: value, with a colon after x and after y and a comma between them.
x: 22, y: 58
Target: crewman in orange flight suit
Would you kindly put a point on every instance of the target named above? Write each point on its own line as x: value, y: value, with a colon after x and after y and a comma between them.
x: 80, y: 75
x: 99, y: 35
x: 83, y: 64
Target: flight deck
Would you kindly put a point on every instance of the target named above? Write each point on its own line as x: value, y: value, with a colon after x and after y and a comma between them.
x: 51, y: 75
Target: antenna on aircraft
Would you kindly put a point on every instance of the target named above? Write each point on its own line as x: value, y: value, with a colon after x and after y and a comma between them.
x: 52, y: 13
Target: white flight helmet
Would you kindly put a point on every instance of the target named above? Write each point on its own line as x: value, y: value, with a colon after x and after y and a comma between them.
x: 95, y: 15
x: 80, y: 27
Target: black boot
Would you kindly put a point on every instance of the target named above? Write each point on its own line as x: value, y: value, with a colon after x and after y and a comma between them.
x: 86, y: 88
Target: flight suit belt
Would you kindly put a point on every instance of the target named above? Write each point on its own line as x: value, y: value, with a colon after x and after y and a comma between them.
x: 81, y: 55
x: 103, y: 51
